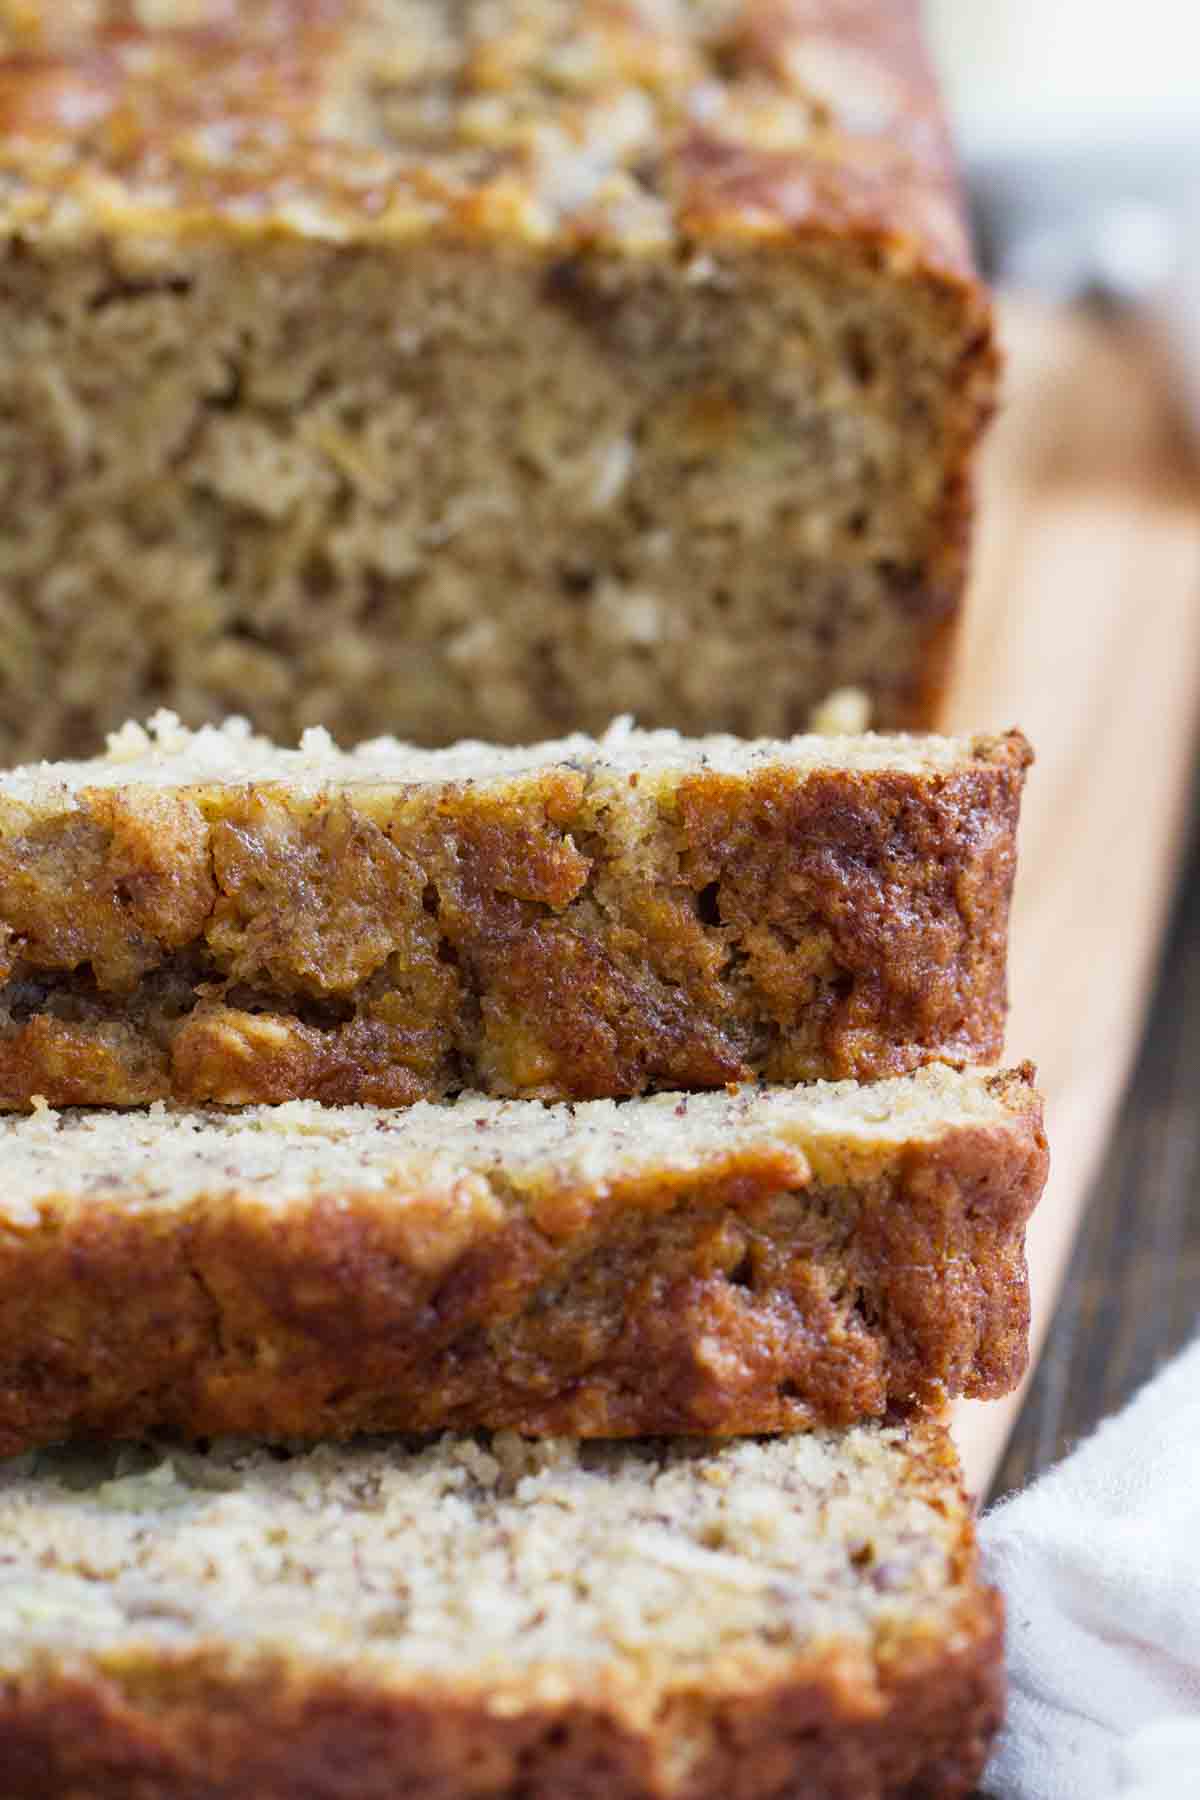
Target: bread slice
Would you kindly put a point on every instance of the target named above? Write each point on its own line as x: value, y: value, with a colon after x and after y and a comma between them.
x: 708, y: 1263
x: 501, y: 1620
x: 491, y: 367
x: 209, y: 918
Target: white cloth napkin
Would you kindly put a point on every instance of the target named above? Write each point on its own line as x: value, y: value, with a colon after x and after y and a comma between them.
x: 1099, y: 1562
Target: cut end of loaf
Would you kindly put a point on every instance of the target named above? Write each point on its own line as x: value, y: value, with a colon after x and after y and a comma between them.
x: 590, y: 360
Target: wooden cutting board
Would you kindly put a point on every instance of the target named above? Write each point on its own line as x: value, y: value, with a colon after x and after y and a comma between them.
x: 1084, y: 629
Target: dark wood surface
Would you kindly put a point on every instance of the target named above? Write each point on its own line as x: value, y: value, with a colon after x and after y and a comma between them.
x: 1132, y: 1293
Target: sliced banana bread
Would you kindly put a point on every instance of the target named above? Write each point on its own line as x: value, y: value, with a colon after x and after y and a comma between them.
x: 714, y: 1263
x: 649, y: 1621
x: 206, y: 917
x: 491, y: 367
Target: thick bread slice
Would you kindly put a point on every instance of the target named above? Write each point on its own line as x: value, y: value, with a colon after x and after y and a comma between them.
x: 206, y: 917
x: 709, y: 1263
x: 502, y: 1621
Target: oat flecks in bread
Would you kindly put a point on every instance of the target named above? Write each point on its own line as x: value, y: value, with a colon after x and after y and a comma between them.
x: 638, y: 1622
x: 492, y: 367
x: 706, y: 1263
x: 208, y: 918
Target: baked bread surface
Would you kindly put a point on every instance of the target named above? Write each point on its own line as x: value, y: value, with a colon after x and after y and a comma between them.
x: 207, y: 918
x: 725, y: 1263
x: 494, y: 367
x: 498, y: 1619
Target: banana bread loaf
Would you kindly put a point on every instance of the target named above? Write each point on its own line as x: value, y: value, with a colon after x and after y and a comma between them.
x: 650, y: 1621
x: 721, y: 1263
x: 206, y: 917
x: 492, y: 367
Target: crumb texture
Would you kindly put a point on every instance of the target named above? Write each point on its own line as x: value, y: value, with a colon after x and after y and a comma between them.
x: 708, y: 1263
x: 499, y: 365
x: 500, y: 1618
x: 210, y: 919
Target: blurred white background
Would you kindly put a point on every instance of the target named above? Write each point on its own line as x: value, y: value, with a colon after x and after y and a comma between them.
x: 1078, y: 122
x: 1064, y: 70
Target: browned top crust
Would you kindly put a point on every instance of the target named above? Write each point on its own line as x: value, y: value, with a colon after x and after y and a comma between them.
x: 636, y: 125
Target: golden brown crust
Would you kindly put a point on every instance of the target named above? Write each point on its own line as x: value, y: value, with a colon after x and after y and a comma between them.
x: 555, y: 937
x: 201, y: 1729
x: 820, y: 116
x: 746, y: 1297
